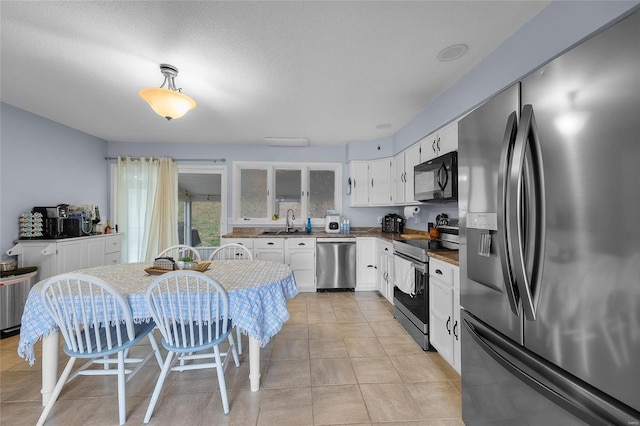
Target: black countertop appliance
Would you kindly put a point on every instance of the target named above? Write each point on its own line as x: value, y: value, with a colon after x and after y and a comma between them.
x: 393, y: 223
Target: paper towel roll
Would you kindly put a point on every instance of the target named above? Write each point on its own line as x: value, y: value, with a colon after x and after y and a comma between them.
x: 409, y: 212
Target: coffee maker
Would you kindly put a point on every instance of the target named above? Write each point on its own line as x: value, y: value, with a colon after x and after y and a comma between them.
x: 83, y: 220
x: 53, y: 220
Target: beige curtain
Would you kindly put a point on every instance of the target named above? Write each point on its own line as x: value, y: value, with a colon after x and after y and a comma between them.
x: 163, y: 231
x: 147, y: 206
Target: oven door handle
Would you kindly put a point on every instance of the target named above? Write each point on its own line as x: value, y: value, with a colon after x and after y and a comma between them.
x: 422, y: 267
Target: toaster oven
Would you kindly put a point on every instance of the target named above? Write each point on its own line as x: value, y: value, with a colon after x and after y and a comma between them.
x: 393, y: 223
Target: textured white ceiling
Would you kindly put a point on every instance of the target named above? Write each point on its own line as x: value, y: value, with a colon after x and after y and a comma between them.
x: 327, y: 71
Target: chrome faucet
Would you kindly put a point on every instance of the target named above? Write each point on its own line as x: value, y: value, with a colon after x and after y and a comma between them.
x: 289, y: 225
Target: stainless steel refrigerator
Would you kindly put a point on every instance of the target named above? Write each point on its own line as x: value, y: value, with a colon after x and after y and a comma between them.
x: 549, y: 199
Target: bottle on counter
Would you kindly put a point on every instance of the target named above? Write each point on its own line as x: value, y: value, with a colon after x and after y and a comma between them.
x: 308, y: 225
x: 345, y: 227
x: 107, y: 229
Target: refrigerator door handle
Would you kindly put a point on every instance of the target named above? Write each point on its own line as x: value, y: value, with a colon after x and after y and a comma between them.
x: 506, y: 258
x: 574, y: 395
x: 526, y: 230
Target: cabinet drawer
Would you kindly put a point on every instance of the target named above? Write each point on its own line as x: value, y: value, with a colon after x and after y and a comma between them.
x: 247, y: 242
x: 301, y: 243
x: 112, y: 259
x: 268, y: 243
x: 112, y: 244
x: 441, y: 270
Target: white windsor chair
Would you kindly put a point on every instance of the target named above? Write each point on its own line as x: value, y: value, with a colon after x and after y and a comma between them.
x: 191, y: 311
x: 179, y: 251
x: 96, y: 322
x: 233, y: 251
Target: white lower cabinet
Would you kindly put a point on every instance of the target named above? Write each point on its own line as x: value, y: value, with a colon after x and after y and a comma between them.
x: 71, y: 256
x: 247, y: 242
x: 96, y: 249
x: 444, y: 310
x: 366, y: 264
x: 112, y: 250
x: 269, y: 249
x: 300, y: 255
x: 384, y: 278
x: 53, y: 257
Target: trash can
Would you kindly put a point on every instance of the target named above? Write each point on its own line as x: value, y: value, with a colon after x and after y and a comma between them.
x: 14, y: 290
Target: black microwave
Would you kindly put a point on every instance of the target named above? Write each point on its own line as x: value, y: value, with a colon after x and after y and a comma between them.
x: 437, y: 179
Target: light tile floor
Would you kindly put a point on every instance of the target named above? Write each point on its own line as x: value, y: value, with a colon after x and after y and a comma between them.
x: 340, y: 359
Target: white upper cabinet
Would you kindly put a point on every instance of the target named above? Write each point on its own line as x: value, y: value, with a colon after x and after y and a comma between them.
x: 380, y: 182
x: 439, y: 143
x: 398, y: 176
x: 359, y: 178
x: 371, y: 182
x: 390, y: 181
x: 403, y: 179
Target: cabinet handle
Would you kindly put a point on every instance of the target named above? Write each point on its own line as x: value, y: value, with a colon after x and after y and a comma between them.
x: 301, y: 244
x: 448, y: 327
x: 386, y: 249
x: 455, y: 333
x: 438, y: 271
x: 270, y: 244
x: 433, y: 145
x: 372, y: 183
x: 354, y: 182
x: 438, y: 143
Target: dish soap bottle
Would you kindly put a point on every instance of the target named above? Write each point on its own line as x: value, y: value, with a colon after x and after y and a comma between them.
x: 309, y: 225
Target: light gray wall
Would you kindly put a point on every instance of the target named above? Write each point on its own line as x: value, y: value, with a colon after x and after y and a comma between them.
x: 358, y: 216
x: 44, y: 163
x: 557, y: 28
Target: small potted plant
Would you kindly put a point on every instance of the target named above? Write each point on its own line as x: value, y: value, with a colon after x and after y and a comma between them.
x: 188, y: 263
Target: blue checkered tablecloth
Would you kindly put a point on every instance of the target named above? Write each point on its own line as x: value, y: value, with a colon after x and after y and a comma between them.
x: 258, y: 293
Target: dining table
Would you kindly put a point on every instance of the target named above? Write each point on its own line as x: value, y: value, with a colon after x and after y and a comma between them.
x: 258, y: 292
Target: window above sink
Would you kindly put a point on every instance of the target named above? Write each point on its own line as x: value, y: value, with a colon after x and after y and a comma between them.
x: 263, y: 192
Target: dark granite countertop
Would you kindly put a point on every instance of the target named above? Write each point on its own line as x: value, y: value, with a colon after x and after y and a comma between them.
x: 366, y: 232
x: 451, y: 257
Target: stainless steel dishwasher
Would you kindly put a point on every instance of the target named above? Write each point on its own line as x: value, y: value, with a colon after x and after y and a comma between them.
x: 335, y: 263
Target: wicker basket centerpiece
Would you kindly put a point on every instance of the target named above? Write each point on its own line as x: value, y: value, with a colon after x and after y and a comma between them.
x: 166, y: 263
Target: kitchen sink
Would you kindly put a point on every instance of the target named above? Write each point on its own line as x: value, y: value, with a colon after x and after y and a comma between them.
x: 280, y: 232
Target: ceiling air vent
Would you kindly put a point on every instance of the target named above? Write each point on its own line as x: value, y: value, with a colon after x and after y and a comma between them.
x: 273, y: 141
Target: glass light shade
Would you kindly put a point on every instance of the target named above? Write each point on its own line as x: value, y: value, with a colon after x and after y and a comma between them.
x: 167, y: 103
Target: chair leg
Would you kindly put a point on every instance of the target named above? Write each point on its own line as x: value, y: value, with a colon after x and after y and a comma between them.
x: 221, y: 381
x: 122, y: 390
x: 56, y: 391
x: 156, y: 391
x: 234, y: 351
x: 239, y: 334
x: 156, y: 349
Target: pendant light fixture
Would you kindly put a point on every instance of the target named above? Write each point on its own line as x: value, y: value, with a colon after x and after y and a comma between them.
x: 170, y: 102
